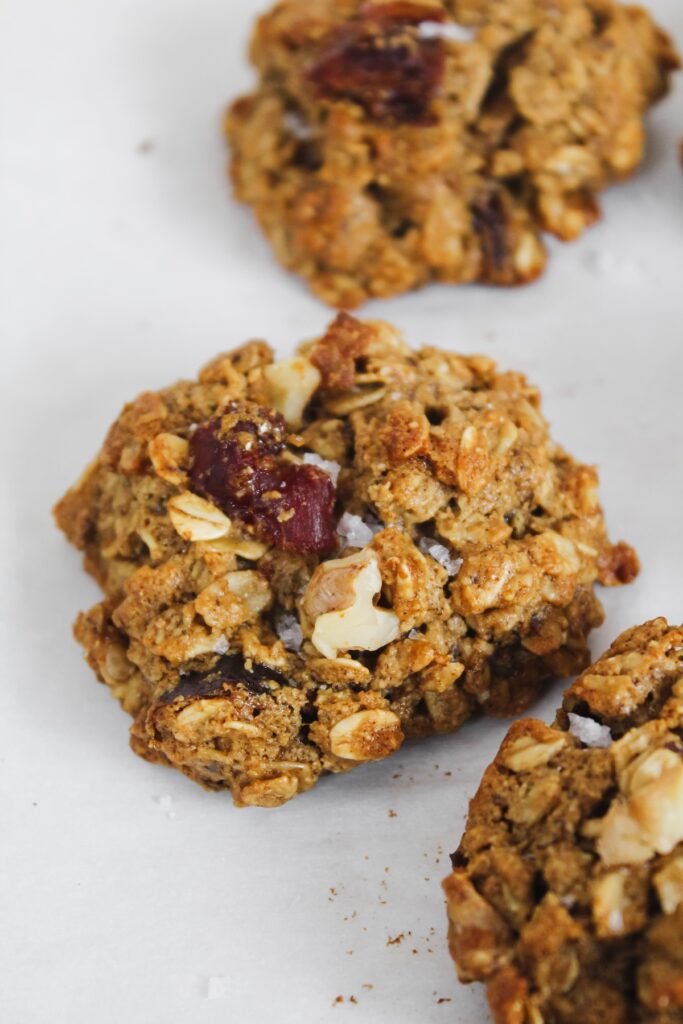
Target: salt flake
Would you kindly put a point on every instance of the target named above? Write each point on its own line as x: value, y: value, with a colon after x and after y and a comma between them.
x: 357, y: 532
x: 441, y: 554
x: 289, y: 630
x: 451, y: 31
x: 590, y: 732
x: 327, y: 465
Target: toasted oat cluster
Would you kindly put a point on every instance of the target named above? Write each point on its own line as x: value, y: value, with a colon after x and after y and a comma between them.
x: 566, y: 896
x: 306, y: 561
x: 391, y: 144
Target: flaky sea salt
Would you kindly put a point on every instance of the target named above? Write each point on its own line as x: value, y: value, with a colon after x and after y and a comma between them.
x: 441, y: 554
x: 357, y: 532
x: 451, y: 31
x: 588, y: 731
x: 327, y: 465
x: 296, y: 126
x: 615, y: 922
x: 288, y: 629
x: 221, y: 646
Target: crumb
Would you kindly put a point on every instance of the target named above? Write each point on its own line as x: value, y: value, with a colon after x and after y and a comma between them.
x: 392, y: 814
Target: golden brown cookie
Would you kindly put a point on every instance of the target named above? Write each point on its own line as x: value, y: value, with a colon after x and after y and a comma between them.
x: 391, y: 144
x: 305, y: 561
x: 566, y: 896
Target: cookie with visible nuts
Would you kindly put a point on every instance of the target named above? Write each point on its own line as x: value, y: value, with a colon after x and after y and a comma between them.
x: 566, y: 896
x: 305, y: 561
x: 389, y: 144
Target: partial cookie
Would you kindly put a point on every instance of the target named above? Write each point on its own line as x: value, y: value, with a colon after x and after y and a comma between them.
x: 566, y: 896
x: 305, y: 561
x: 392, y: 144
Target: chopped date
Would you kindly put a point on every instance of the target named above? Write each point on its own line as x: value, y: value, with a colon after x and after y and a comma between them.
x: 237, y: 463
x: 381, y: 61
x: 221, y: 679
x: 490, y: 222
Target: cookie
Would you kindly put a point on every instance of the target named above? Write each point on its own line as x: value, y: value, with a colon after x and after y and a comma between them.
x: 566, y: 896
x: 392, y: 144
x: 306, y: 561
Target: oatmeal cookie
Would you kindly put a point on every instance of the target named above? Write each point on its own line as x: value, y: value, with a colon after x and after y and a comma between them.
x: 392, y: 144
x: 305, y: 561
x: 566, y: 896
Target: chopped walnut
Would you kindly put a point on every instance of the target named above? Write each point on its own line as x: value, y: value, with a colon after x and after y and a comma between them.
x: 169, y: 456
x: 340, y: 601
x: 291, y: 384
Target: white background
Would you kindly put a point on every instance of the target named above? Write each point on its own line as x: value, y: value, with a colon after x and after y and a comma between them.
x: 128, y: 894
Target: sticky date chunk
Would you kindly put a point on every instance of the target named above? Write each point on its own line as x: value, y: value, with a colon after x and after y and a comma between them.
x: 383, y: 63
x: 229, y: 671
x: 490, y: 223
x: 237, y: 463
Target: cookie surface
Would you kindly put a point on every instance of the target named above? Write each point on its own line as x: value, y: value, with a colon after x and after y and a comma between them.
x: 392, y: 144
x: 567, y: 891
x: 305, y: 561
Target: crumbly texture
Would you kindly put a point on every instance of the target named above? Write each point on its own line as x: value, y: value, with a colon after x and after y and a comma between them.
x: 265, y: 625
x: 392, y: 144
x: 566, y: 896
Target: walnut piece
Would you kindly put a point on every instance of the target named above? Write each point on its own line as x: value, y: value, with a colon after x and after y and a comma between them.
x: 340, y: 600
x: 669, y: 885
x: 291, y: 384
x: 168, y: 454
